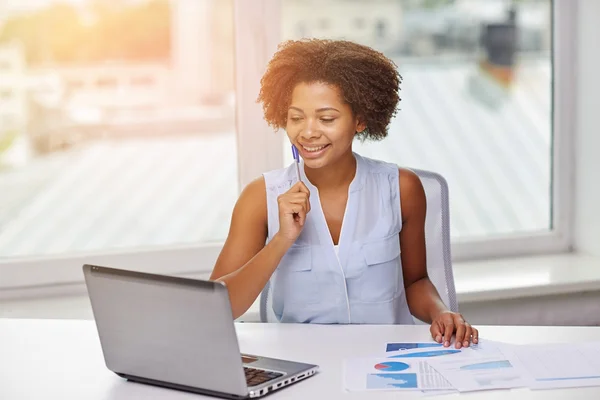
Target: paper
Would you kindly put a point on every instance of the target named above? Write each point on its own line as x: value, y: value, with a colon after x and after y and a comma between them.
x: 561, y: 365
x: 387, y: 374
x: 484, y: 367
x: 411, y: 346
x: 423, y: 353
x: 428, y: 350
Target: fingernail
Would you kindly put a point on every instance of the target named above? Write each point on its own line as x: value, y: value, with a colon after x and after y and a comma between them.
x: 446, y: 344
x: 458, y: 345
x: 466, y: 344
x: 475, y: 340
x: 438, y: 338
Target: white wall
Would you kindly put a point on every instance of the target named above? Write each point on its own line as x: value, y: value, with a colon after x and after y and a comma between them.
x: 572, y: 309
x: 587, y: 148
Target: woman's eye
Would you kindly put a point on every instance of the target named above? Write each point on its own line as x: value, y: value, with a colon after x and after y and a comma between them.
x: 295, y: 119
x: 327, y: 120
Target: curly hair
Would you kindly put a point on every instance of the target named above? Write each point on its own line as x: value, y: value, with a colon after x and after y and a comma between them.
x: 368, y: 80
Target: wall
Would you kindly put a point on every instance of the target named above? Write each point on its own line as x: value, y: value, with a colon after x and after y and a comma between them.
x: 573, y: 309
x: 587, y: 161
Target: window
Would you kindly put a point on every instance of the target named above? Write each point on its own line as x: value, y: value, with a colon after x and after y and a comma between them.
x: 138, y: 184
x: 107, y: 82
x: 142, y: 81
x: 380, y: 28
x: 301, y: 30
x: 7, y: 121
x: 324, y: 24
x: 6, y: 95
x: 75, y: 84
x: 118, y: 186
x: 359, y: 23
x: 477, y: 106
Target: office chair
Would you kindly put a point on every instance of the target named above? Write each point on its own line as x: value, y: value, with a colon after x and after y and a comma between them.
x: 437, y: 239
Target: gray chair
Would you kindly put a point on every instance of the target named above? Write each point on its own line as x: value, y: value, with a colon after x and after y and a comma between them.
x: 437, y: 238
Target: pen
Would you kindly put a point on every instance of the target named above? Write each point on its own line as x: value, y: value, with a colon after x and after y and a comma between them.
x: 297, y: 158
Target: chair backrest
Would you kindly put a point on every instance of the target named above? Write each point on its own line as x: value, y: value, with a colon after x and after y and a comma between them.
x: 437, y: 239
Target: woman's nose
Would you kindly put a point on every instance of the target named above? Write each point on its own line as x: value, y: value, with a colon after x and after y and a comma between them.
x: 310, y: 129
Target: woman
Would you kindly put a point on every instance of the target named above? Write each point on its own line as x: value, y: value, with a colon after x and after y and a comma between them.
x: 346, y: 243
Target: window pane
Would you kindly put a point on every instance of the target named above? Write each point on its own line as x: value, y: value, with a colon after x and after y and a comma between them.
x: 122, y: 130
x: 476, y: 99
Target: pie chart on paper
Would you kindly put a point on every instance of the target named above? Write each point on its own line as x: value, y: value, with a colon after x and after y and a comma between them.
x: 392, y: 366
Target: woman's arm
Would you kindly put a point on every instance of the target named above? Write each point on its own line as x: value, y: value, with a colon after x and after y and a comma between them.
x: 423, y: 298
x: 245, y: 264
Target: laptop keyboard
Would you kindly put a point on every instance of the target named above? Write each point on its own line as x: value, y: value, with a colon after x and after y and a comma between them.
x: 256, y: 377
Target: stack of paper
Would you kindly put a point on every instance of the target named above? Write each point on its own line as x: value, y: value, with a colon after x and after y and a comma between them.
x: 560, y: 365
x: 434, y: 369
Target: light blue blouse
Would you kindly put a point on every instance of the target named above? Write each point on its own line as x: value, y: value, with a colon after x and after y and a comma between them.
x: 363, y: 283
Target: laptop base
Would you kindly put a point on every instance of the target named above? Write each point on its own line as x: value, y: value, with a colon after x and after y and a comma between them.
x: 183, y: 388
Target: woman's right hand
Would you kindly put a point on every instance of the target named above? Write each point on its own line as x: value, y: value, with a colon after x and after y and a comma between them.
x: 293, y: 207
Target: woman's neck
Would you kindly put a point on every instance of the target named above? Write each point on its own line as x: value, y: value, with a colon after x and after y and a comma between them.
x: 334, y: 176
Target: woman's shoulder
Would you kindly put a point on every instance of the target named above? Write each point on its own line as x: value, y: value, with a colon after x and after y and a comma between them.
x: 407, y: 181
x: 378, y: 166
x: 375, y: 165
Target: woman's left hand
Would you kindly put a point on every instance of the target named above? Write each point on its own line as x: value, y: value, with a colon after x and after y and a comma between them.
x: 447, y: 323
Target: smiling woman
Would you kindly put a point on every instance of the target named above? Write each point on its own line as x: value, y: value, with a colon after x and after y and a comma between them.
x: 345, y: 242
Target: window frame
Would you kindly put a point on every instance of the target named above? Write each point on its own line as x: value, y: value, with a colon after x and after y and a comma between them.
x: 59, y: 275
x: 559, y: 239
x: 257, y: 32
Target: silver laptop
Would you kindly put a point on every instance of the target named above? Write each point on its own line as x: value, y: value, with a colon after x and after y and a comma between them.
x: 179, y: 333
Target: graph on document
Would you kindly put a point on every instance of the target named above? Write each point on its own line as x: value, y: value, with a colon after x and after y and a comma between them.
x: 429, y: 353
x: 392, y: 366
x: 392, y: 381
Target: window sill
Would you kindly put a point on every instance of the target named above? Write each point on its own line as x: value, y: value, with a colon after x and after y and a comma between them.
x: 512, y: 278
x: 501, y: 279
x: 477, y: 282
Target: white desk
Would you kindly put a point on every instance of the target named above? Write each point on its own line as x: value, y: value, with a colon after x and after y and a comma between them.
x: 62, y: 359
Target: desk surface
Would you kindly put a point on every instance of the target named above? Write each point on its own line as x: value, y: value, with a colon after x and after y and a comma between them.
x: 62, y: 359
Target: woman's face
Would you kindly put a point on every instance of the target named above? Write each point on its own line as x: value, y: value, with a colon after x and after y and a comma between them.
x: 320, y: 123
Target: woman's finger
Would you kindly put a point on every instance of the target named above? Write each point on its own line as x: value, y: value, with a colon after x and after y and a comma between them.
x: 460, y: 332
x: 295, y: 196
x: 468, y: 334
x: 294, y: 209
x: 299, y: 187
x: 298, y: 198
x: 448, y: 330
x: 436, y: 332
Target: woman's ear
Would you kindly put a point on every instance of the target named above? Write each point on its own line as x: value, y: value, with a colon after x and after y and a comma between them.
x: 360, y: 125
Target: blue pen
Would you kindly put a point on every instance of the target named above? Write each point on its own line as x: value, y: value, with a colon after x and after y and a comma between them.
x: 297, y: 158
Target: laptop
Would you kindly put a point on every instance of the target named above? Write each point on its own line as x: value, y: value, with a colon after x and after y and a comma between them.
x: 179, y: 333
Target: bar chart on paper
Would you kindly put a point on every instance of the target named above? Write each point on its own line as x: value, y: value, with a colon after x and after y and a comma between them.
x: 410, y: 346
x: 426, y: 354
x: 392, y: 381
x: 383, y: 373
x: 487, y: 365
